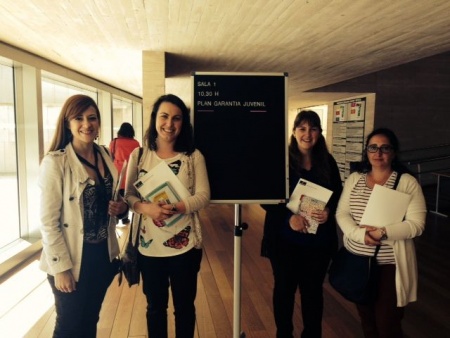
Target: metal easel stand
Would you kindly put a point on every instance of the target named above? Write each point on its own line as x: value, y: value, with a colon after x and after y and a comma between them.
x: 238, y: 230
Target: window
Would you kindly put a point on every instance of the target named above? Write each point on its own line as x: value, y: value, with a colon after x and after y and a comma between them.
x: 26, y: 131
x: 122, y: 112
x: 54, y: 94
x: 10, y: 227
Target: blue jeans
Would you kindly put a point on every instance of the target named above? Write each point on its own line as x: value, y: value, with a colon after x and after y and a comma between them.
x: 77, y: 313
x: 180, y: 273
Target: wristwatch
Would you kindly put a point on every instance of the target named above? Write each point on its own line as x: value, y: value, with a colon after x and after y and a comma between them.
x: 383, y: 234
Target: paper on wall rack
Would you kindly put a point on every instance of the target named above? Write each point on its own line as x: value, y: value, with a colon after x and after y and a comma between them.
x: 307, y: 197
x: 385, y: 206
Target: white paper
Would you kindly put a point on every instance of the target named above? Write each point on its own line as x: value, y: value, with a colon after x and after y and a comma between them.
x: 307, y: 197
x: 122, y: 175
x: 385, y: 206
x: 113, y: 220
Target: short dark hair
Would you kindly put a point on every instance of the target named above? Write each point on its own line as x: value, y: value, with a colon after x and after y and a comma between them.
x: 185, y: 140
x: 394, y: 143
x: 126, y: 130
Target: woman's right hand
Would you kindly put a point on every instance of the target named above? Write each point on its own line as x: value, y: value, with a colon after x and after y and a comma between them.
x: 369, y: 240
x: 153, y: 210
x: 65, y: 282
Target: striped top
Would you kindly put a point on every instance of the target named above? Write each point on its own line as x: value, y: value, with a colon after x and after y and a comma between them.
x: 359, y: 197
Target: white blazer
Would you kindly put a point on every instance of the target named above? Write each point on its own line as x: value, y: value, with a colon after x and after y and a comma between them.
x: 62, y: 180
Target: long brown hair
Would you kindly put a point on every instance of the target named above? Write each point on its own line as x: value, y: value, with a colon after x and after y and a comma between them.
x: 319, y: 154
x: 74, y: 106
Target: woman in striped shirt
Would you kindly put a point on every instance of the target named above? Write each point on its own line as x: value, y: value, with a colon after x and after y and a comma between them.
x: 397, y: 278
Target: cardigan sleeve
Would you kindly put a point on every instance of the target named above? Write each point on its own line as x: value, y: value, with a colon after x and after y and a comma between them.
x: 413, y: 223
x: 200, y: 198
x: 343, y: 214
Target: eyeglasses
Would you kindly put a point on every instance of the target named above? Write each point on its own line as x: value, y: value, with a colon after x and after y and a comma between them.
x: 385, y: 149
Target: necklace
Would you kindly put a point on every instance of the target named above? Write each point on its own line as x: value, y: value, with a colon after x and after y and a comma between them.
x: 100, y: 204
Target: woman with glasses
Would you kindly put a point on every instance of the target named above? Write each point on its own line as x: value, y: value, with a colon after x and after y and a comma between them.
x: 396, y: 281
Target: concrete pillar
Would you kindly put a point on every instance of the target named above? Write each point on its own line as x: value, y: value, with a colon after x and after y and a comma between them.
x: 153, y: 82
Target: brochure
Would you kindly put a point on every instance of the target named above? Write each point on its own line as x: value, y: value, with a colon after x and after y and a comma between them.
x: 307, y: 197
x: 385, y: 206
x: 113, y: 220
x: 122, y: 175
x: 161, y: 185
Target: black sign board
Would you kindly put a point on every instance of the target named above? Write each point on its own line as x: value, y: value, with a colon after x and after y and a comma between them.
x: 239, y: 122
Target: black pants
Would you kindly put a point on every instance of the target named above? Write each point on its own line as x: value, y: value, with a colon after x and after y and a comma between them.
x: 77, y: 313
x: 180, y: 273
x: 296, y: 267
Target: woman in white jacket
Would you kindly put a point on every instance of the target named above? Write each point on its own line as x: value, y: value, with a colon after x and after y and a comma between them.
x: 397, y: 277
x: 76, y: 179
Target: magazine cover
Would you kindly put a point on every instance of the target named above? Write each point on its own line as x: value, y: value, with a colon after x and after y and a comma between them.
x: 168, y: 192
x: 307, y: 197
x: 306, y: 206
x: 165, y: 194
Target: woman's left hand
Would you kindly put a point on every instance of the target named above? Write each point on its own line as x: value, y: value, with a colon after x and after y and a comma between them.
x: 320, y: 216
x: 117, y: 207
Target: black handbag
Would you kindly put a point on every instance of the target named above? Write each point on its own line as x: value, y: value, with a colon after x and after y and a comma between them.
x: 129, y: 260
x: 354, y: 276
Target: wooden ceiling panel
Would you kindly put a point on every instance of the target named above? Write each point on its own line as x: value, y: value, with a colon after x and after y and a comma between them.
x: 318, y: 42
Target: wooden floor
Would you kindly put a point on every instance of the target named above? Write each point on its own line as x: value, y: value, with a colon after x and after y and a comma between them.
x: 123, y: 312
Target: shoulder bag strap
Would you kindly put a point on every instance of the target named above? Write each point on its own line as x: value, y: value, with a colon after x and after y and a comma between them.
x: 139, y: 156
x: 376, y: 250
x: 130, y: 233
x: 397, y: 179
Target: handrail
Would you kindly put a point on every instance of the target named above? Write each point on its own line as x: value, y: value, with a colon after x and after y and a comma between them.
x: 430, y: 171
x: 441, y: 152
x: 428, y: 159
x: 444, y: 145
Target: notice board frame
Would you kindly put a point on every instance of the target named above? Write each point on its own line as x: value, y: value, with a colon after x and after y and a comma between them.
x: 240, y: 126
